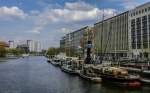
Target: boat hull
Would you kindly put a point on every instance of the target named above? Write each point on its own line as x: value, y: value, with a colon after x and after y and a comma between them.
x: 55, y: 64
x: 145, y: 77
x: 127, y: 82
x: 48, y: 60
x: 92, y: 79
x: 68, y: 70
x: 145, y: 81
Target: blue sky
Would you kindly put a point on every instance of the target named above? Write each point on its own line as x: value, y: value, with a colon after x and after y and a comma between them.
x: 48, y: 20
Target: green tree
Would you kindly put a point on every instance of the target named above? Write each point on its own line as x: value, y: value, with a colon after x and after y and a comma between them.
x: 71, y: 52
x: 43, y: 52
x: 16, y: 52
x: 53, y: 51
x: 2, y: 51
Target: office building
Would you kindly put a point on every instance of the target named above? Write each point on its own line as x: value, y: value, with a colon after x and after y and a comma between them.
x: 111, y: 36
x: 139, y: 31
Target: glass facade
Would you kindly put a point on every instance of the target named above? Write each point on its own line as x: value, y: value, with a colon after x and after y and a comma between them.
x: 144, y: 30
x: 139, y: 32
x: 133, y: 34
x: 149, y: 27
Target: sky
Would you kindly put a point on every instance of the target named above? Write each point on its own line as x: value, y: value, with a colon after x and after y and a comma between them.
x: 48, y: 20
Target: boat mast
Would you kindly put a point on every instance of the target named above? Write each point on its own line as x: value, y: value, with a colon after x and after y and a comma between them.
x: 101, y: 57
x: 69, y: 43
x: 115, y: 45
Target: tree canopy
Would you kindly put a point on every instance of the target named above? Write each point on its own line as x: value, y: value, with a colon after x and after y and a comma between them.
x: 52, y: 51
x: 15, y: 51
x: 2, y: 51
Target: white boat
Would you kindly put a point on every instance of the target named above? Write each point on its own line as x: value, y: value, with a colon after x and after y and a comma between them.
x: 49, y: 60
x: 25, y: 55
x: 70, y: 65
x: 68, y: 70
x: 56, y: 62
x: 12, y: 57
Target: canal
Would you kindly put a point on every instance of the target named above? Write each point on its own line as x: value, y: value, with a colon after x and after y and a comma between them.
x: 35, y: 75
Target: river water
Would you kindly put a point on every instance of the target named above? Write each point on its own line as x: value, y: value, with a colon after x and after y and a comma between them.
x: 35, y: 75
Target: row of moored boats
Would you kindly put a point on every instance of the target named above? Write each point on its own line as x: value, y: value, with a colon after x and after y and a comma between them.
x: 98, y: 73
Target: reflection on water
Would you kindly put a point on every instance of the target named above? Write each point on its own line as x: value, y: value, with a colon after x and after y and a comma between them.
x: 35, y: 75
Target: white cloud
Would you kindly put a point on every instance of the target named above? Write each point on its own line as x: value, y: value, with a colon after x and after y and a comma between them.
x: 78, y: 6
x: 58, y: 21
x: 130, y: 4
x: 64, y: 30
x: 78, y: 11
x: 70, y: 13
x: 11, y: 12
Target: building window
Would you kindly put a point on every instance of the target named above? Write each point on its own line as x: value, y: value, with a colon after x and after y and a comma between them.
x: 144, y: 25
x: 145, y: 45
x: 145, y: 9
x: 133, y: 40
x: 133, y: 37
x: 139, y: 12
x: 145, y: 41
x: 148, y: 8
x: 138, y: 46
x: 133, y: 45
x: 142, y: 10
x: 144, y: 29
x: 138, y: 24
x: 136, y: 12
x: 149, y: 25
x: 139, y: 39
x: 149, y: 22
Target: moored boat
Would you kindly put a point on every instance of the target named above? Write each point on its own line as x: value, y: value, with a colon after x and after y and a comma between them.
x: 68, y: 70
x: 119, y: 76
x: 9, y: 56
x: 69, y: 66
x: 56, y: 62
x: 25, y: 55
x: 142, y: 70
x: 88, y: 74
x: 49, y: 60
x: 93, y: 79
x: 145, y: 77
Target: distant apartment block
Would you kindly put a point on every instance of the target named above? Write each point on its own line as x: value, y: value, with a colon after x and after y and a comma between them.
x: 34, y: 46
x: 75, y: 40
x: 28, y: 45
x: 11, y: 44
x: 62, y: 42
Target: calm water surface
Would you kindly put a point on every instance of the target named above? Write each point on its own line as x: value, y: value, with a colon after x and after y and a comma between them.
x: 35, y: 75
